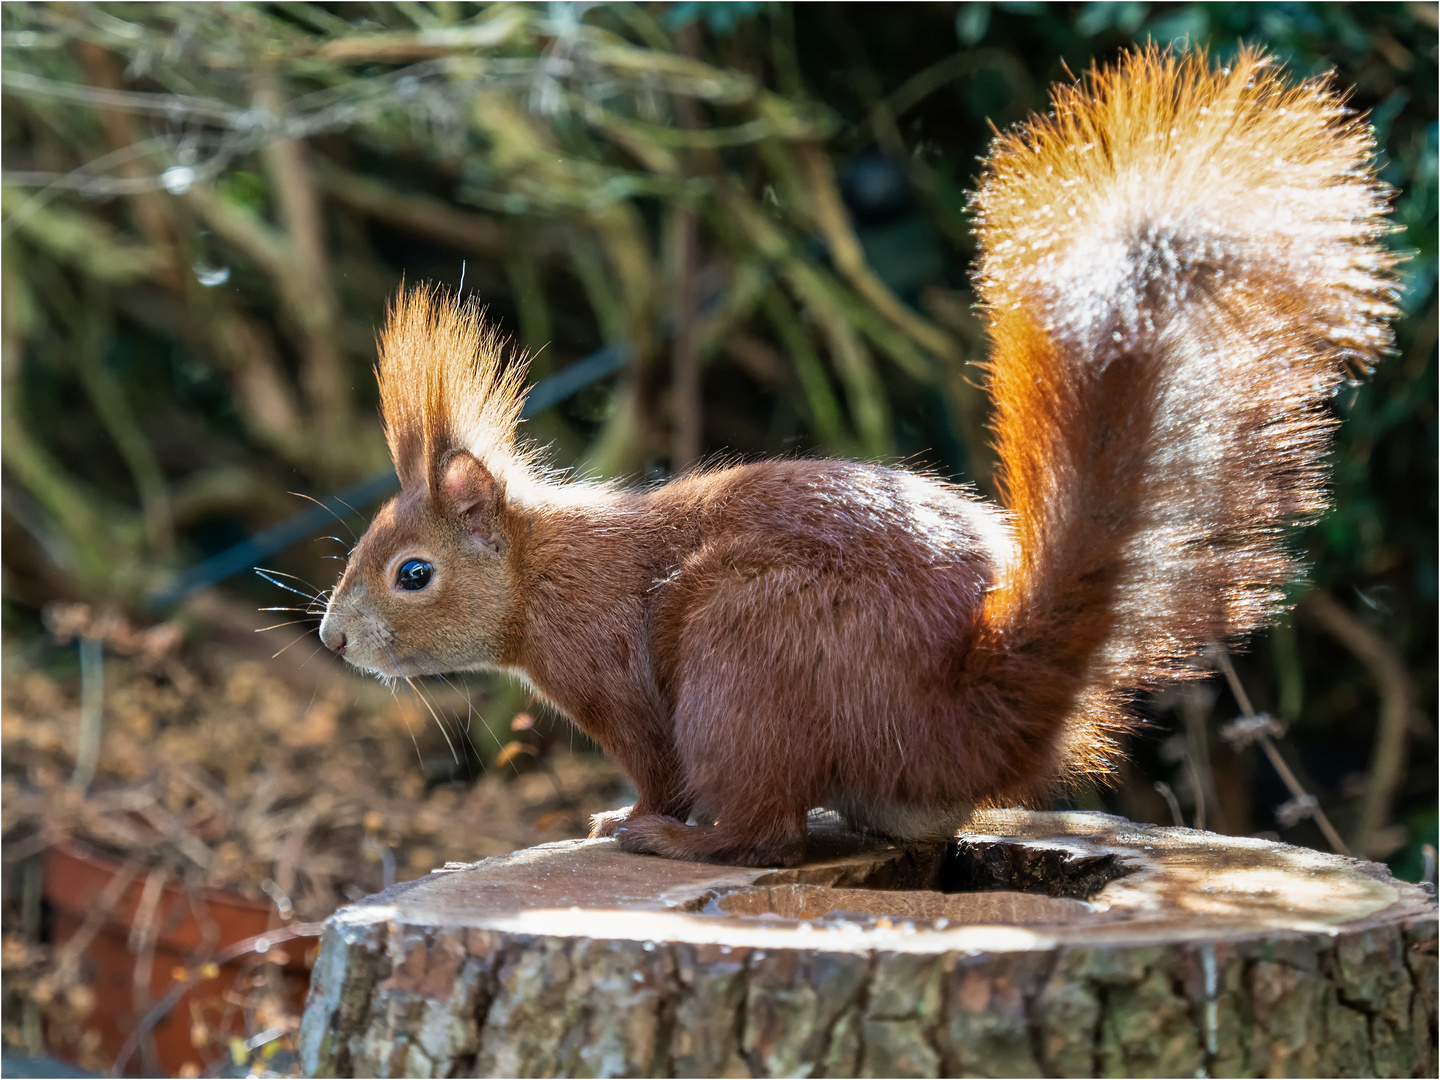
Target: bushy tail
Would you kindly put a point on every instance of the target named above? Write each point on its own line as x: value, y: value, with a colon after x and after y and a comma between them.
x: 1179, y: 267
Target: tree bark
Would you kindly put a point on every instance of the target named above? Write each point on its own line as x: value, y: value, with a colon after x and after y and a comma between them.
x: 1056, y: 944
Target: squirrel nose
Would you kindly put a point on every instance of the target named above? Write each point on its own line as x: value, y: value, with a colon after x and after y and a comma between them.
x: 334, y: 640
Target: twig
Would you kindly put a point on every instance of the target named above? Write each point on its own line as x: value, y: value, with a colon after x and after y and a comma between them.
x: 822, y: 405
x: 824, y: 297
x: 1262, y: 736
x: 418, y: 213
x: 288, y: 857
x: 565, y: 800
x: 1198, y: 786
x: 1194, y: 709
x: 436, y: 41
x: 92, y: 711
x: 152, y: 211
x: 1169, y: 796
x: 259, y: 943
x: 324, y: 374
x: 1387, y: 759
x: 834, y: 223
x: 142, y: 925
x: 91, y: 336
x: 32, y: 892
x: 200, y: 912
x: 90, y: 551
x: 69, y: 952
x: 168, y: 105
x: 686, y: 412
x: 175, y: 830
x: 142, y: 944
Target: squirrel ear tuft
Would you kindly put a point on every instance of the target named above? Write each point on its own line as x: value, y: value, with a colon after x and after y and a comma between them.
x: 445, y: 383
x: 467, y: 489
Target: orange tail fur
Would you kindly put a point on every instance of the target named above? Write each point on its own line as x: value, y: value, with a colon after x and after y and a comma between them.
x: 1179, y: 267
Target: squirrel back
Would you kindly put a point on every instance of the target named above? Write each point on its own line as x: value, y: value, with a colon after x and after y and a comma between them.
x: 1178, y: 268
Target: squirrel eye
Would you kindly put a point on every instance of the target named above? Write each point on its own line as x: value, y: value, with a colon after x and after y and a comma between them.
x: 414, y: 574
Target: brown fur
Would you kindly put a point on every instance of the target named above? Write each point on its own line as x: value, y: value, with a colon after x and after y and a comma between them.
x: 1177, y: 268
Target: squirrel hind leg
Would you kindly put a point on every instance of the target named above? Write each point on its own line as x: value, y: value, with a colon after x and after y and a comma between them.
x: 607, y: 821
x: 780, y: 842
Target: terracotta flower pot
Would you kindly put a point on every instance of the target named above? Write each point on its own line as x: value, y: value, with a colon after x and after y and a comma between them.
x: 184, y: 931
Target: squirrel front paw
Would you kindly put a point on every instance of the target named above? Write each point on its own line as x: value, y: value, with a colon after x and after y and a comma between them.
x: 606, y: 822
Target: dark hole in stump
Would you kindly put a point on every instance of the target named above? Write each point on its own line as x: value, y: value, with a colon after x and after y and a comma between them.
x: 982, y: 865
x: 965, y: 881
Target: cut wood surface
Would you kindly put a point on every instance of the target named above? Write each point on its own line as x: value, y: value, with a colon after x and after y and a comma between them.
x: 1059, y: 944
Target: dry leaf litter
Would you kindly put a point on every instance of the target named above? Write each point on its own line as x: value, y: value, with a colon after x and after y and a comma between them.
x: 240, y: 773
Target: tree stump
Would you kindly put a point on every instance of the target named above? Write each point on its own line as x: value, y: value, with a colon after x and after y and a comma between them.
x: 1057, y: 944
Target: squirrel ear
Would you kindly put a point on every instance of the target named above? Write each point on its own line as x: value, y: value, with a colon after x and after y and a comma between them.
x: 468, y: 490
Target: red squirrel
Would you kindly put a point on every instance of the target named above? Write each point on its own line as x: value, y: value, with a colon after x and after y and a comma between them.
x: 1178, y: 267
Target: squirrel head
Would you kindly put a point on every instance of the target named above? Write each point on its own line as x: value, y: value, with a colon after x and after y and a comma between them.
x: 428, y: 587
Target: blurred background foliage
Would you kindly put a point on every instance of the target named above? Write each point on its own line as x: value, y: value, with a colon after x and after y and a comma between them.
x: 206, y: 207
